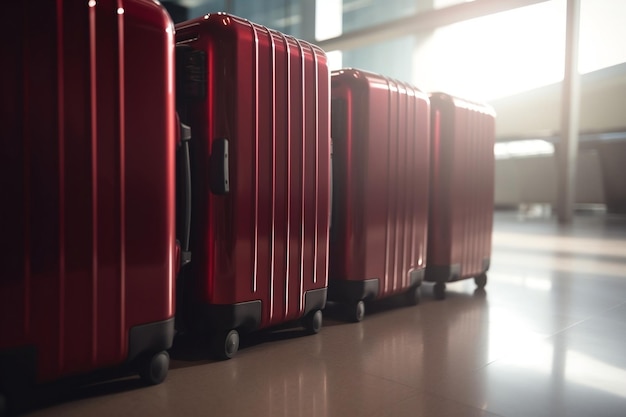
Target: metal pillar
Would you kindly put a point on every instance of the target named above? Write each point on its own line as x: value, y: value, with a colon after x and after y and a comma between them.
x: 307, y: 14
x: 228, y: 6
x: 570, y: 108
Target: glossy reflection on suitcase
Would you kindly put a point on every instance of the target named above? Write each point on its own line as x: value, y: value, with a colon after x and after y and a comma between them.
x: 258, y: 104
x: 380, y: 133
x: 462, y: 191
x: 89, y: 252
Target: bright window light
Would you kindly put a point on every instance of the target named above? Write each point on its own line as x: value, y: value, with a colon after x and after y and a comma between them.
x: 328, y: 19
x: 496, y: 55
x: 439, y: 4
x: 518, y: 50
x: 335, y: 60
x: 602, y: 34
x: 522, y: 148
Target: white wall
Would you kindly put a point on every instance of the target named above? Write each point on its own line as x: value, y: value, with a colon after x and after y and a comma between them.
x: 603, y: 106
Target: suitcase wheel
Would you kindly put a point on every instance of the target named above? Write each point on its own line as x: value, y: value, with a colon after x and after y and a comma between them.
x: 481, y: 281
x: 356, y: 311
x: 440, y: 291
x: 225, y: 344
x: 413, y: 295
x: 313, y: 322
x: 153, y: 369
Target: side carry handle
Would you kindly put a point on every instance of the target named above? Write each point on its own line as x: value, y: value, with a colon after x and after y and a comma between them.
x: 218, y: 173
x: 185, y: 137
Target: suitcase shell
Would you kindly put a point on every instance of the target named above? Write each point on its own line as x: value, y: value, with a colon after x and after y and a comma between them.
x: 461, y: 192
x: 88, y: 165
x: 260, y: 248
x: 380, y: 133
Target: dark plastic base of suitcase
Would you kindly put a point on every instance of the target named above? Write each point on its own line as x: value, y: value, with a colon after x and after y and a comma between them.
x: 227, y: 320
x: 352, y: 294
x: 150, y: 338
x: 443, y: 273
x: 315, y: 300
x: 450, y: 273
x: 18, y: 370
x: 146, y: 348
x: 247, y: 315
x: 343, y: 291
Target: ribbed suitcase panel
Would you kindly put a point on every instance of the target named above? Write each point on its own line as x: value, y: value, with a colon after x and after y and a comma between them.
x: 267, y: 239
x: 381, y: 181
x: 462, y: 184
x: 474, y: 139
x: 293, y: 68
x: 71, y: 161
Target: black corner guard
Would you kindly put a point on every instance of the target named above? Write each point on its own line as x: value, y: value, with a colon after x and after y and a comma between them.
x: 315, y: 300
x: 416, y: 277
x: 151, y: 337
x: 18, y: 373
x: 343, y: 290
x: 486, y: 264
x: 443, y: 273
x: 450, y: 273
x: 246, y: 315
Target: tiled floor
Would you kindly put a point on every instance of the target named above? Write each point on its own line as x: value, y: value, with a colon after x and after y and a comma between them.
x: 548, y: 338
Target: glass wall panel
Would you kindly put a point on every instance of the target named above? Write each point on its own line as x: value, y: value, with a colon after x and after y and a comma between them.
x: 391, y: 58
x: 358, y: 14
x: 496, y: 55
x: 201, y: 7
x: 282, y: 15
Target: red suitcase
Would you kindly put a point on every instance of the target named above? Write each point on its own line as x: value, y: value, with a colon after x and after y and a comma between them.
x: 461, y: 192
x: 258, y: 102
x: 380, y: 132
x: 88, y: 148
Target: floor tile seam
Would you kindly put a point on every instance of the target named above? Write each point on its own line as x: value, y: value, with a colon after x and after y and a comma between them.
x: 460, y: 403
x: 387, y: 379
x: 543, y: 338
x: 547, y: 335
x: 593, y: 316
x: 500, y: 358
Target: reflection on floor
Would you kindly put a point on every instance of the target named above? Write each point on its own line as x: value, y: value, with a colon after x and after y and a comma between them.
x: 548, y: 338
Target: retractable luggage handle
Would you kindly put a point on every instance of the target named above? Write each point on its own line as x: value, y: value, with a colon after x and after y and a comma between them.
x: 185, y: 137
x: 190, y: 84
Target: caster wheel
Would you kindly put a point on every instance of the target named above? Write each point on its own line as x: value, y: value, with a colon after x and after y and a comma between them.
x: 356, y: 311
x: 226, y: 344
x: 440, y: 291
x: 413, y: 295
x: 153, y: 369
x: 481, y: 281
x: 313, y: 322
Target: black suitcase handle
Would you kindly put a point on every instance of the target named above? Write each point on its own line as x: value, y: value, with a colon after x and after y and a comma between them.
x: 185, y: 166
